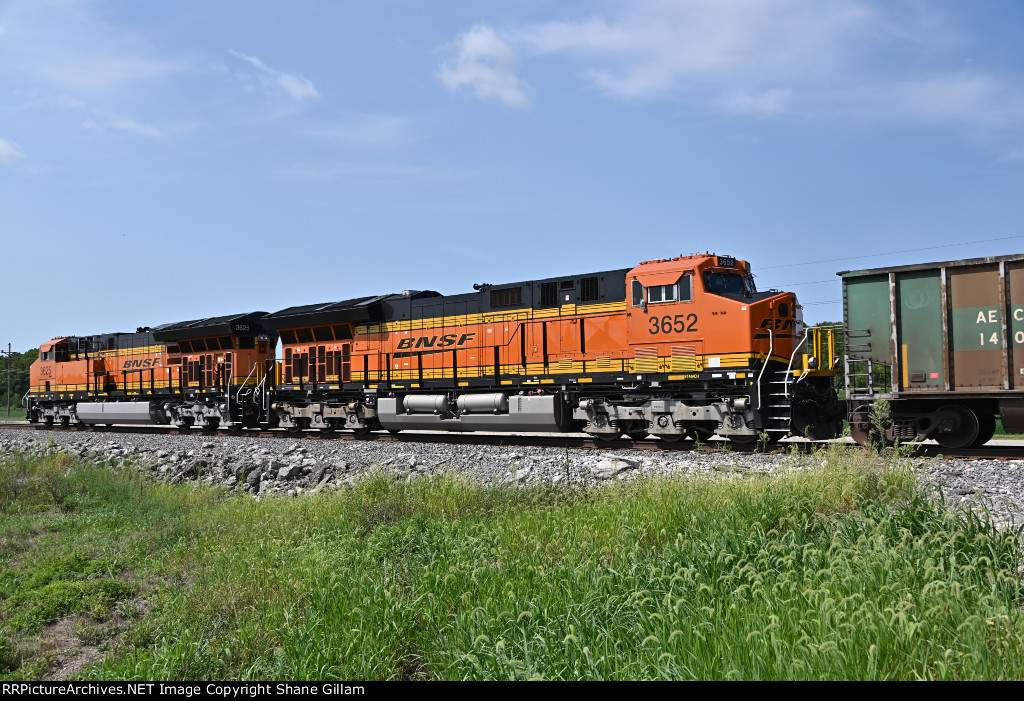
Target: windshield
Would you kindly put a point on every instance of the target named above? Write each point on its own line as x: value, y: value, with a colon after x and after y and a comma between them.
x: 728, y: 283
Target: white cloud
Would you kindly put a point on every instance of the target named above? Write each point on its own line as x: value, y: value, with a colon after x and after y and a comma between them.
x: 485, y: 65
x: 63, y: 44
x: 761, y: 58
x: 375, y: 131
x: 958, y: 98
x: 126, y: 125
x: 765, y: 103
x: 9, y: 151
x: 274, y: 81
x: 655, y: 48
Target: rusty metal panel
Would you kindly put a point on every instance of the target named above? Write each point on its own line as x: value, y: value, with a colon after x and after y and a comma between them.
x: 977, y: 321
x: 1015, y: 273
x: 919, y: 301
x: 1005, y: 363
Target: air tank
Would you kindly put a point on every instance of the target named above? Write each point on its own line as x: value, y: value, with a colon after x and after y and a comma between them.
x: 426, y: 403
x: 496, y: 403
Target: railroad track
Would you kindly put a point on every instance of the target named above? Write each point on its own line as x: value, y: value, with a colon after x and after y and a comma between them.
x: 556, y: 441
x: 927, y: 450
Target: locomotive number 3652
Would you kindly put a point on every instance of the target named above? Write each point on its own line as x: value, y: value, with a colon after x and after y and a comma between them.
x: 668, y: 324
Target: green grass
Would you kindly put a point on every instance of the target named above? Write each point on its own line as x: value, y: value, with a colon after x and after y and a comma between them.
x: 16, y: 413
x: 832, y: 573
x: 1001, y: 434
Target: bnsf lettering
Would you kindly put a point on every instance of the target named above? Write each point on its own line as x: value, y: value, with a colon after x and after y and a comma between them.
x: 780, y: 324
x: 449, y: 339
x: 140, y: 364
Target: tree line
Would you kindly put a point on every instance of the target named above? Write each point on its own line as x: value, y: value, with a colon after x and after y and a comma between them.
x: 19, y: 367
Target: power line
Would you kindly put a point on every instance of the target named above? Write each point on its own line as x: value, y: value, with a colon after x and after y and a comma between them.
x: 890, y: 253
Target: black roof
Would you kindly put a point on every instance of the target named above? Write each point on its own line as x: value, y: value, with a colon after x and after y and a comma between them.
x: 356, y: 309
x: 247, y: 324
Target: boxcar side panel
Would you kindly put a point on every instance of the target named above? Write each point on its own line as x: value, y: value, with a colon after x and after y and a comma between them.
x: 868, y: 318
x: 920, y: 337
x: 1015, y: 272
x: 977, y: 323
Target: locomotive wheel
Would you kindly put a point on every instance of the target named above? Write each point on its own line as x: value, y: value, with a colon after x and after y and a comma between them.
x: 986, y: 429
x: 327, y: 428
x: 637, y: 435
x: 675, y: 437
x: 743, y: 441
x: 234, y: 428
x: 65, y: 421
x: 965, y: 428
x: 294, y: 428
x: 364, y: 431
x: 608, y: 437
x: 211, y: 425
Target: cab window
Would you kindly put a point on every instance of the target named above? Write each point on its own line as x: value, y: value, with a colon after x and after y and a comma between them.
x: 657, y: 294
x: 686, y: 288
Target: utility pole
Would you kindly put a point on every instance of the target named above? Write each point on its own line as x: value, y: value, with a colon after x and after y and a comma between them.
x: 8, y: 381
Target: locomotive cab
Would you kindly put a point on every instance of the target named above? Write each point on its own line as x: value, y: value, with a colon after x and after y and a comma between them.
x: 696, y: 323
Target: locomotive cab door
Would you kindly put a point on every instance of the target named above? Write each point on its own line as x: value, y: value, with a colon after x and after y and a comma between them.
x: 661, y: 309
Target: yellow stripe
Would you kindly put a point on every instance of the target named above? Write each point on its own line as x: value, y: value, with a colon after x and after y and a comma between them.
x: 906, y: 382
x: 487, y: 318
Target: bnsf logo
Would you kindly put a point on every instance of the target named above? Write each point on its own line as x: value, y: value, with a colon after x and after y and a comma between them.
x: 140, y: 364
x: 439, y: 341
x: 780, y: 324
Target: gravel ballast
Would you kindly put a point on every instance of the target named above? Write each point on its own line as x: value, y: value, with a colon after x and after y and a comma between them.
x: 286, y: 466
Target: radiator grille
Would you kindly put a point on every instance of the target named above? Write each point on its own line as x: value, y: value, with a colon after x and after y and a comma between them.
x: 684, y: 358
x: 646, y: 359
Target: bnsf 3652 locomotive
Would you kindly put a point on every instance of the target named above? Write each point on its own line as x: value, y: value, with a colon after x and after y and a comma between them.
x: 672, y: 348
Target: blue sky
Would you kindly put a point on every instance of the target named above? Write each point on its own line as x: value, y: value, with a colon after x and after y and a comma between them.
x: 167, y: 161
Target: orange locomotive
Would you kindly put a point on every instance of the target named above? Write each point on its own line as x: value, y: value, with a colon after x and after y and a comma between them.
x: 206, y: 372
x: 673, y: 348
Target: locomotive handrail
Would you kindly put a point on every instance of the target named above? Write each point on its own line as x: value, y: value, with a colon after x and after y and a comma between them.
x: 789, y: 368
x: 259, y: 390
x: 771, y: 347
x: 245, y: 383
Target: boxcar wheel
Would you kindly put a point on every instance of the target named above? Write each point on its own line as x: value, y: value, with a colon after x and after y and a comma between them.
x: 986, y: 429
x: 861, y: 429
x: 965, y: 429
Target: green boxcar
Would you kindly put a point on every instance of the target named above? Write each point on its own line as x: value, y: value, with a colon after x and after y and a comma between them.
x: 950, y: 337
